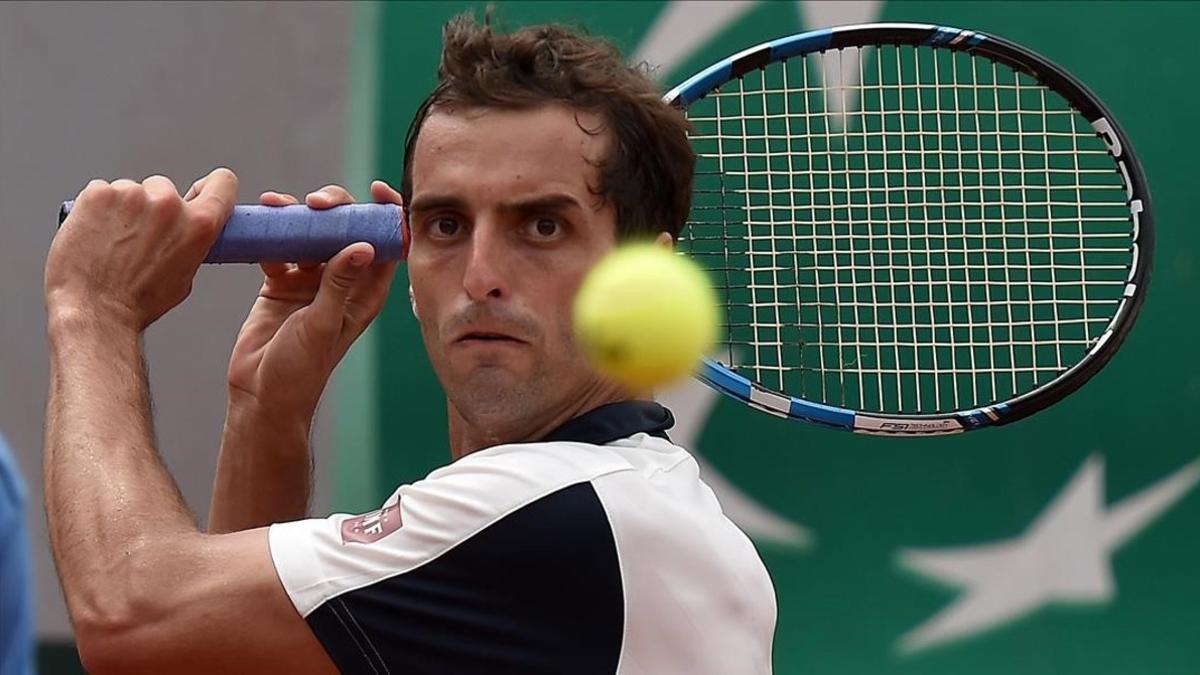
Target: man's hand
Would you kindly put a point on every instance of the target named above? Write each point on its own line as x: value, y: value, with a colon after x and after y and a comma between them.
x: 303, y: 322
x: 147, y: 592
x: 306, y: 317
x: 128, y: 252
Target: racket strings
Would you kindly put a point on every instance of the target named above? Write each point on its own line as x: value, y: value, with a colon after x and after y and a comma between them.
x: 905, y: 230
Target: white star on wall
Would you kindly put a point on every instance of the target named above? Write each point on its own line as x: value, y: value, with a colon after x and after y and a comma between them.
x: 691, y: 402
x: 1064, y: 556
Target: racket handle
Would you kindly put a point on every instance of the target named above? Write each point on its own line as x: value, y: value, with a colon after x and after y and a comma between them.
x: 256, y: 233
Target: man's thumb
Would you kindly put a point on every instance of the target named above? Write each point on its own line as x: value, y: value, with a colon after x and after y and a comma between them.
x: 338, y: 278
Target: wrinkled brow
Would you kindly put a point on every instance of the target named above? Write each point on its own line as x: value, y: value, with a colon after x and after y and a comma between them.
x: 553, y: 201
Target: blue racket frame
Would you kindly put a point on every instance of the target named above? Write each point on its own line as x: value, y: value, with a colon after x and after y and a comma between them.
x: 728, y: 382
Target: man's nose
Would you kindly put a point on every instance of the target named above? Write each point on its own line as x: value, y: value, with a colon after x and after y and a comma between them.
x: 486, y: 277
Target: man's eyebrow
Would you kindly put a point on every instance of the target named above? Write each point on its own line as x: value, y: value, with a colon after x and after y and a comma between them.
x: 557, y: 200
x: 432, y: 202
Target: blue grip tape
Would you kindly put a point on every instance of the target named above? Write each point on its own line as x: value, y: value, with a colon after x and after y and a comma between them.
x: 297, y: 233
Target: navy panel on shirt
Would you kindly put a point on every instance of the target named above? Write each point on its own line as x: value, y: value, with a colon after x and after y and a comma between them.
x: 538, y: 591
x: 615, y: 420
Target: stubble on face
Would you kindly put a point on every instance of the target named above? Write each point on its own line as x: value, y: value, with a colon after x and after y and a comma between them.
x: 496, y: 279
x: 487, y: 388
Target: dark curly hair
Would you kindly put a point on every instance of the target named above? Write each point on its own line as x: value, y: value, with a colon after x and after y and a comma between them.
x: 647, y: 171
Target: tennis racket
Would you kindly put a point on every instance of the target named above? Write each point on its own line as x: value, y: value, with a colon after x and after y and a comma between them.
x: 916, y: 229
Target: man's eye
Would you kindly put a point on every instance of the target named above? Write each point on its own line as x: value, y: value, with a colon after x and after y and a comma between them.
x: 547, y: 228
x: 445, y: 226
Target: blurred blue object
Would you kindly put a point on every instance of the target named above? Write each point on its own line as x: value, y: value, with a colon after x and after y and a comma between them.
x: 16, y: 580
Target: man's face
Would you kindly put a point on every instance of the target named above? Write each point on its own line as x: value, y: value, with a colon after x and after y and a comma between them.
x: 504, y: 226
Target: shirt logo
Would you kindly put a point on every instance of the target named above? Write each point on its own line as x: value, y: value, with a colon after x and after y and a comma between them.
x: 371, y: 527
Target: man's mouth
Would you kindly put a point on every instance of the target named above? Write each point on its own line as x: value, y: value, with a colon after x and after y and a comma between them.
x: 480, y: 337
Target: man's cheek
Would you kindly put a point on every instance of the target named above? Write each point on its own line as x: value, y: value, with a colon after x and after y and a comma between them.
x: 429, y: 335
x: 566, y: 339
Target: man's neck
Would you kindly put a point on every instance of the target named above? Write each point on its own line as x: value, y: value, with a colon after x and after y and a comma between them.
x: 466, y: 437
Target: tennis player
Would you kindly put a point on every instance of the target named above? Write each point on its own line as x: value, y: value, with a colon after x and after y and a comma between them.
x: 568, y: 535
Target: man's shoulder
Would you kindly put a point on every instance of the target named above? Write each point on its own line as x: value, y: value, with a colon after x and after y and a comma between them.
x: 545, y: 458
x: 503, y: 567
x: 511, y: 494
x: 554, y: 462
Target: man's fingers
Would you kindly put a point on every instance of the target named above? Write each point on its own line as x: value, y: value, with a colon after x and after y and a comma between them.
x: 272, y: 198
x: 329, y: 196
x: 162, y: 197
x: 372, y: 290
x: 158, y: 185
x: 369, y: 295
x: 337, y: 280
x: 383, y: 193
x: 94, y: 185
x: 325, y: 198
x: 96, y: 194
x: 194, y: 189
x: 214, y: 198
x: 126, y: 193
x: 274, y: 269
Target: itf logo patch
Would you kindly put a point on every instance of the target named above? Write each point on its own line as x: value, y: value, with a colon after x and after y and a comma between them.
x: 371, y: 527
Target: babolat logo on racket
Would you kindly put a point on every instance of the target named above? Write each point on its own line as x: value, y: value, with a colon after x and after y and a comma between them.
x: 1113, y: 141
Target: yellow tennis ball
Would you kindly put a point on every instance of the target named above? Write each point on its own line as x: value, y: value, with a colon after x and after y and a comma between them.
x: 644, y: 315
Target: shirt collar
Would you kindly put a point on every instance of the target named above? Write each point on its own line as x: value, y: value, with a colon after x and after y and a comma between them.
x: 613, y: 421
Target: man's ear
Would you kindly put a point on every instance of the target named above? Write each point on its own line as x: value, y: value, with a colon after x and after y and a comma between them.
x: 412, y: 300
x: 664, y: 239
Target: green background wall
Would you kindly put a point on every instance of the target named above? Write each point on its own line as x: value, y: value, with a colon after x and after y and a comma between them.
x: 845, y: 600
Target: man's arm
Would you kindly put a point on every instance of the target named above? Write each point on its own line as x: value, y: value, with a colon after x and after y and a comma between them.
x: 264, y: 470
x: 147, y: 591
x: 300, y: 326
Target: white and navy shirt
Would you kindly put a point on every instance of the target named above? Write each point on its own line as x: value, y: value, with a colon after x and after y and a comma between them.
x: 598, y: 550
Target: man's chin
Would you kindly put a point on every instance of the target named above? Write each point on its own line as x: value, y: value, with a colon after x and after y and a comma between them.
x: 493, y: 380
x: 513, y: 384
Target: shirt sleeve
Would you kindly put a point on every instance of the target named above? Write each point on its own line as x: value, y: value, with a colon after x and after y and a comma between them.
x: 503, y: 562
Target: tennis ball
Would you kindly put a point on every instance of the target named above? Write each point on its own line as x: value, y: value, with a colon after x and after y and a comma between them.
x: 644, y: 316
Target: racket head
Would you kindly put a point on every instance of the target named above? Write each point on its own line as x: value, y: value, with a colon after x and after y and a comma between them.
x: 1016, y: 73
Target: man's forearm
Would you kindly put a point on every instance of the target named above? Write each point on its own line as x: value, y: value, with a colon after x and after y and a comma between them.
x: 264, y: 472
x: 106, y: 489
